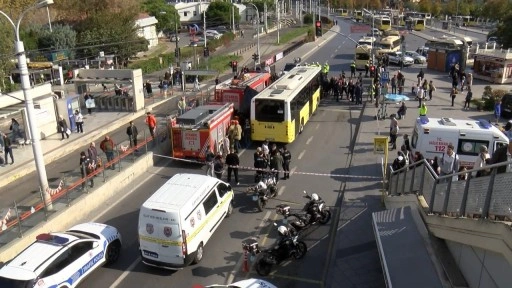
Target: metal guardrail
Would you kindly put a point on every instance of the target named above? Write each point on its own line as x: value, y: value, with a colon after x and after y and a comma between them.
x: 20, y: 217
x: 487, y: 197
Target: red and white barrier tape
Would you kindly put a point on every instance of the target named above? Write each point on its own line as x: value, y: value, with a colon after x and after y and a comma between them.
x: 281, y: 171
x: 56, y: 190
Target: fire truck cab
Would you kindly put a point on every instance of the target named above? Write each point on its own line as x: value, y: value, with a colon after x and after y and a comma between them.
x: 198, y: 129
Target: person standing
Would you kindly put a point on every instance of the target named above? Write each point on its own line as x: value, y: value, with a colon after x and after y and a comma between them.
x: 275, y: 161
x: 237, y: 136
x: 502, y: 154
x: 89, y: 102
x: 431, y: 89
x: 393, y: 132
x: 420, y: 76
x: 182, y: 106
x: 86, y: 168
x: 449, y: 162
x: 151, y: 121
x: 247, y: 133
x: 16, y: 129
x: 366, y: 68
x: 107, y: 146
x: 132, y: 133
x: 497, y: 111
x: 353, y: 69
x: 63, y: 127
x: 481, y: 161
x: 423, y: 110
x: 79, y: 120
x: 209, y: 157
x: 453, y: 94
x: 149, y: 89
x: 393, y: 84
x: 469, y: 95
x: 218, y: 166
x: 7, y: 149
x: 287, y: 158
x: 233, y: 162
x: 92, y: 152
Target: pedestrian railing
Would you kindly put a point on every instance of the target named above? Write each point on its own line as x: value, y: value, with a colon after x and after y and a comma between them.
x: 487, y: 197
x: 21, y: 216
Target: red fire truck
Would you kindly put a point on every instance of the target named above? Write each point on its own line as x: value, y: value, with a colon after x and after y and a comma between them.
x: 198, y: 129
x: 240, y: 91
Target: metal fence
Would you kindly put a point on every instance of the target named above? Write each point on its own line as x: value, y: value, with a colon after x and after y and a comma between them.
x: 22, y: 216
x: 476, y: 197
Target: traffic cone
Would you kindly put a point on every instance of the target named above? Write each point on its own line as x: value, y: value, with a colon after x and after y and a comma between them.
x: 245, y: 266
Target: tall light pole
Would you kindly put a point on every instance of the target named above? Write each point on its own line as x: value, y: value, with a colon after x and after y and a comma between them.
x: 29, y: 102
x: 258, y: 33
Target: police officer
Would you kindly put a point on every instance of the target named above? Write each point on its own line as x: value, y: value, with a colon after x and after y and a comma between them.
x: 275, y: 161
x: 287, y: 158
x: 353, y: 69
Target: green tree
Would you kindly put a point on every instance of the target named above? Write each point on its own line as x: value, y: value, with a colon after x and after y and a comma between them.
x: 375, y: 4
x: 503, y: 31
x: 496, y: 9
x: 167, y: 16
x: 112, y: 35
x: 425, y: 6
x: 219, y: 13
x: 61, y: 38
x: 436, y: 8
x: 6, y: 54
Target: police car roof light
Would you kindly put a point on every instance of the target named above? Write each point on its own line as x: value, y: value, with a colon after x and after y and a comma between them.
x: 53, y: 239
x: 485, y: 123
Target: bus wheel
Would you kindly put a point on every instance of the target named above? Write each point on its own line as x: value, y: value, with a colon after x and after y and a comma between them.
x: 301, y: 127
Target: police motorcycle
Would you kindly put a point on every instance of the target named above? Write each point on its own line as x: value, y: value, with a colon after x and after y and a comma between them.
x: 287, y: 247
x: 314, y: 211
x: 264, y: 190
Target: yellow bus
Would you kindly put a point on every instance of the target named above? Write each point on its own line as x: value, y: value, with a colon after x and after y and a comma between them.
x: 343, y: 12
x: 279, y: 112
x: 358, y: 15
x: 389, y: 44
x: 362, y: 55
x: 418, y: 24
x: 383, y: 23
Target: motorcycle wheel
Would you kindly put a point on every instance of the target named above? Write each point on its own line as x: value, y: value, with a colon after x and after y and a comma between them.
x: 263, y: 268
x: 300, y: 250
x: 261, y: 204
x: 273, y: 191
x: 326, y: 216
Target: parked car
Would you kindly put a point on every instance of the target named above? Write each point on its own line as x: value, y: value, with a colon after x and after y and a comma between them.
x: 418, y: 59
x: 198, y: 41
x: 423, y: 51
x: 63, y: 259
x: 374, y: 32
x: 398, y: 58
x: 247, y: 283
x: 506, y: 106
x: 212, y: 34
x: 221, y: 29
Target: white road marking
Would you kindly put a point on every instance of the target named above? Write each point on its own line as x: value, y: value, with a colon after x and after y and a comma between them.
x: 281, y: 190
x: 132, y: 266
x: 301, y: 154
x: 293, y: 170
x: 238, y: 265
x: 309, y: 140
x: 317, y: 126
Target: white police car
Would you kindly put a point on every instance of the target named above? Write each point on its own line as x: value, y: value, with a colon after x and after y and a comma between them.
x: 62, y: 259
x: 248, y: 283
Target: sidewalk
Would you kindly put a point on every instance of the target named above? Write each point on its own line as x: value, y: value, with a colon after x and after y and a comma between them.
x: 102, y: 123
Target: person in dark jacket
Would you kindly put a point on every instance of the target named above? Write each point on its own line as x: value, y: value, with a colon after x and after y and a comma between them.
x: 287, y: 158
x: 275, y: 161
x: 63, y: 127
x: 218, y: 166
x: 503, y: 154
x: 86, y: 168
x: 132, y: 133
x: 7, y: 149
x: 233, y: 162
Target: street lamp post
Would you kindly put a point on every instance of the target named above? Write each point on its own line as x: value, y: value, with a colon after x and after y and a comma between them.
x: 29, y: 102
x: 258, y: 33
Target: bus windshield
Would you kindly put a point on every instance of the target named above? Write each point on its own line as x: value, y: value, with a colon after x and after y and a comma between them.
x: 267, y: 110
x: 362, y: 56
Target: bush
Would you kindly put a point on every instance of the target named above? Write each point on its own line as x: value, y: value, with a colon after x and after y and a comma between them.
x: 491, y: 96
x: 308, y: 18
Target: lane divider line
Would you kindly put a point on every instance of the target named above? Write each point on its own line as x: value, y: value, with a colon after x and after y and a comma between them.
x: 309, y: 140
x: 301, y: 154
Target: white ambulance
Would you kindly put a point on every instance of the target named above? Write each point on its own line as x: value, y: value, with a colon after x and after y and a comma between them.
x: 431, y: 137
x: 177, y: 221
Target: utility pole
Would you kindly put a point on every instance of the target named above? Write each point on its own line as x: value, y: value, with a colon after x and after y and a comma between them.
x: 204, y: 31
x: 233, y: 16
x: 177, y: 39
x: 278, y: 20
x: 265, y: 16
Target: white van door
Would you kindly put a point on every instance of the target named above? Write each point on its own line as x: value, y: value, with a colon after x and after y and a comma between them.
x: 160, y: 238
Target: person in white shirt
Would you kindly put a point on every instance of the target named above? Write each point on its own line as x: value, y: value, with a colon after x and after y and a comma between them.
x: 79, y: 121
x: 481, y: 161
x: 265, y: 149
x: 449, y: 162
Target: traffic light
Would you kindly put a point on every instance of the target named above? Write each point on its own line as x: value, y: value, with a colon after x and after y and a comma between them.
x: 318, y: 28
x: 206, y: 52
x: 372, y: 70
x: 255, y: 57
x: 177, y: 52
x: 234, y: 66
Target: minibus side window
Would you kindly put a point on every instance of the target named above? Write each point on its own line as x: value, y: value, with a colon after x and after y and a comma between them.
x: 223, y: 189
x: 210, y: 202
